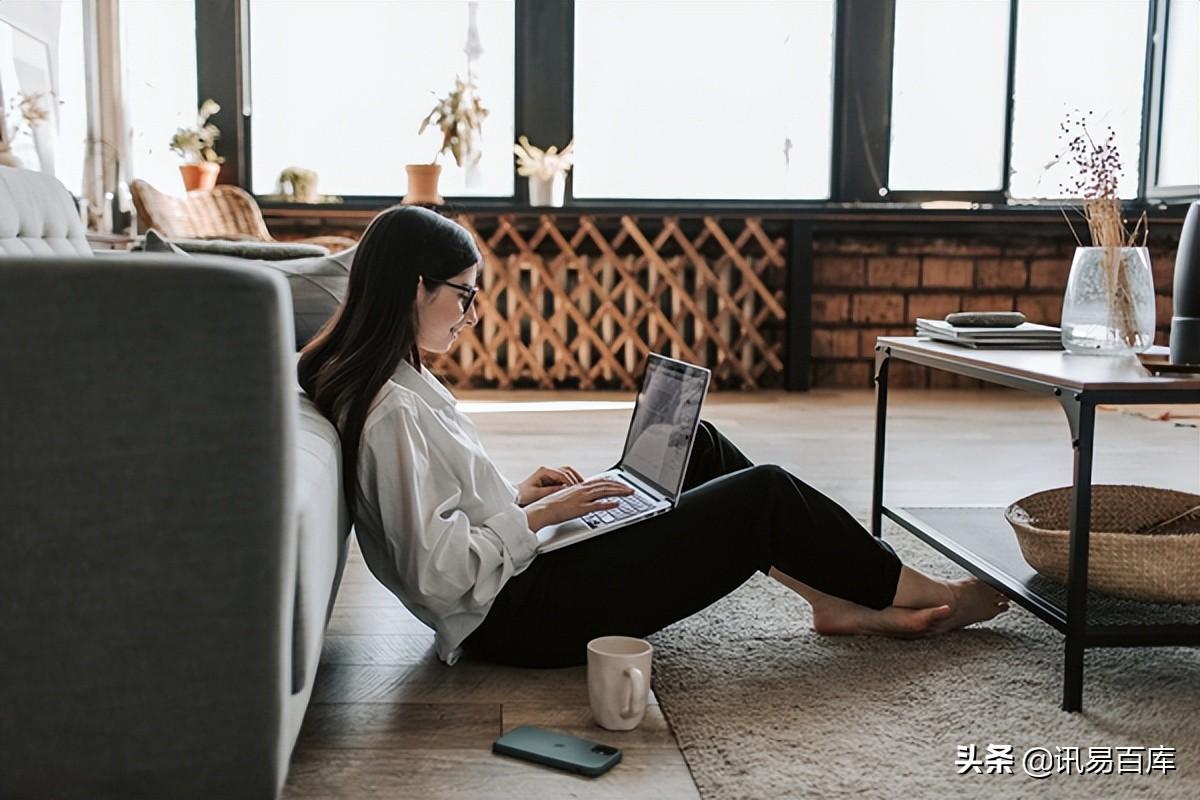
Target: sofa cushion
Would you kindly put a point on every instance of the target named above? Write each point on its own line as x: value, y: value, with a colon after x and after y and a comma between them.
x: 38, y: 216
x: 323, y: 527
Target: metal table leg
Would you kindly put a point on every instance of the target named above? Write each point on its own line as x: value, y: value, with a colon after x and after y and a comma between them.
x: 1082, y: 417
x: 882, y: 359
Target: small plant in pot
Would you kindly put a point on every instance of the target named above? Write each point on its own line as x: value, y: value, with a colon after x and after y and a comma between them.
x: 197, y: 147
x: 459, y: 115
x: 546, y: 170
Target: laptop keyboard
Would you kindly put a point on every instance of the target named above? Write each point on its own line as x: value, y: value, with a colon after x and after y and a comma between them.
x: 632, y: 504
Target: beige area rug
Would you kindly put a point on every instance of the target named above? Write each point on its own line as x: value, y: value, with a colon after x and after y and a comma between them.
x: 764, y: 708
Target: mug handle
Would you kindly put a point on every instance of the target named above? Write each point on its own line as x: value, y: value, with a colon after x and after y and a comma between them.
x: 637, y: 689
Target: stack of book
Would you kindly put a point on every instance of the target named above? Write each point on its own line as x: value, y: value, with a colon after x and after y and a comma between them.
x: 1026, y: 336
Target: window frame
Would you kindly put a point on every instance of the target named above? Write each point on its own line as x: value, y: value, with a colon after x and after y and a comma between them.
x: 1152, y: 112
x: 998, y: 196
x: 543, y: 109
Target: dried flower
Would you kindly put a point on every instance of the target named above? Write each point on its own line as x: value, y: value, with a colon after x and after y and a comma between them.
x: 544, y: 164
x: 31, y: 108
x: 31, y: 111
x: 198, y: 143
x: 460, y: 117
x: 1096, y: 179
x: 1097, y: 166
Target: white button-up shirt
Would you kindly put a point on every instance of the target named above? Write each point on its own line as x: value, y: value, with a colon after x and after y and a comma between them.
x: 437, y: 522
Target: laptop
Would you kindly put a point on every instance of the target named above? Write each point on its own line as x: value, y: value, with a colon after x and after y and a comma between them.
x: 657, y: 447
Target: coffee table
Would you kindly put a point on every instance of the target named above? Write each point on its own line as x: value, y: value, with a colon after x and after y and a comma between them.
x: 981, y: 541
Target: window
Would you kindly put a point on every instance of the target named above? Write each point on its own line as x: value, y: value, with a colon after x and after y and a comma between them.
x: 1085, y: 55
x: 71, y: 146
x: 948, y: 95
x: 158, y: 58
x: 1179, y: 151
x: 702, y: 100
x: 341, y: 89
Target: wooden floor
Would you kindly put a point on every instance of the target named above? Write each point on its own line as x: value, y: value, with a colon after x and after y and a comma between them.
x: 387, y: 720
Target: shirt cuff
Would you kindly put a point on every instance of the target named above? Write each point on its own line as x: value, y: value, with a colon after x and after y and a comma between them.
x: 512, y: 526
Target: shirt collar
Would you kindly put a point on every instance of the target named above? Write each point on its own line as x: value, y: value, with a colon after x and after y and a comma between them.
x: 424, y: 384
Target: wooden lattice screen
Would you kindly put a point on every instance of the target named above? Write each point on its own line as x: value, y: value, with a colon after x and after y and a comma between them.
x: 579, y: 302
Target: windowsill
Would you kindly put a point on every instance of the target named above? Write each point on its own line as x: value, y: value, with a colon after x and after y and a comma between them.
x: 815, y: 211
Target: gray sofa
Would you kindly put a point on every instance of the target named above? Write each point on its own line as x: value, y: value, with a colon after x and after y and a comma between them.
x: 172, y: 531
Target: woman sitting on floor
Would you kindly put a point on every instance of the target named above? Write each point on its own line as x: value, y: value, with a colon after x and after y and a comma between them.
x: 455, y: 541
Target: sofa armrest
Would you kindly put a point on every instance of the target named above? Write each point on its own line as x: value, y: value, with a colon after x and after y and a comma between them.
x: 146, y: 493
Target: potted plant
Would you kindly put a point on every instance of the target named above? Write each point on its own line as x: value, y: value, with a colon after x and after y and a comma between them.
x: 459, y: 115
x: 546, y: 171
x: 196, y: 146
x: 1109, y: 306
x: 299, y: 185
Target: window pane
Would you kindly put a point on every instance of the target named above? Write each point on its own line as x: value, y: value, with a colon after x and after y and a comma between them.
x: 1076, y: 54
x: 703, y: 100
x: 72, y: 95
x: 341, y: 88
x: 948, y: 95
x: 1179, y: 157
x: 158, y: 58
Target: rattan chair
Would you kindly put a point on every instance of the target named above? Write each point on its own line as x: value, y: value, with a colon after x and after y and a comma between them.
x: 226, y: 212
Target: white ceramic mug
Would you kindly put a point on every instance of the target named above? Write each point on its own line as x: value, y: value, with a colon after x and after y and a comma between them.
x: 619, y: 681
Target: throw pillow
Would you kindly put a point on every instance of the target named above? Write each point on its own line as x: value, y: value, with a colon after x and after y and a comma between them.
x: 155, y: 242
x: 318, y: 288
x: 318, y: 284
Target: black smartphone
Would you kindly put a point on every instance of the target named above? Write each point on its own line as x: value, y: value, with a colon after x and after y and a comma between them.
x: 557, y: 750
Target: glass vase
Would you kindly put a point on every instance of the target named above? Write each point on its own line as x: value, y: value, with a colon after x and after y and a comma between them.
x: 1108, y: 309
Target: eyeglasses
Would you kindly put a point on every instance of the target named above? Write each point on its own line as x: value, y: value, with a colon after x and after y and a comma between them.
x: 466, y: 293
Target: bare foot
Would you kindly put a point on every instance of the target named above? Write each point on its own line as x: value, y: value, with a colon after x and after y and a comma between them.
x: 837, y: 617
x: 974, y: 601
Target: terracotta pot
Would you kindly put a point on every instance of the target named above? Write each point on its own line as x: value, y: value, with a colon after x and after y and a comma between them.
x: 201, y: 176
x: 423, y: 184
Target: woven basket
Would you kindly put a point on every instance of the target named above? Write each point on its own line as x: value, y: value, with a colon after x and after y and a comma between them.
x: 1144, y: 543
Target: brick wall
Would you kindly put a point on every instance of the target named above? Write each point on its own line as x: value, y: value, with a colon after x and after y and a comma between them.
x: 866, y: 287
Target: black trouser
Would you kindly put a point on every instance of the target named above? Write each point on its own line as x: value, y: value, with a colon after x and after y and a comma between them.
x: 732, y: 519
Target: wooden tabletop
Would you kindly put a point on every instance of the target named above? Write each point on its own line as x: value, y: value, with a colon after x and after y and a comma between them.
x: 1055, y: 367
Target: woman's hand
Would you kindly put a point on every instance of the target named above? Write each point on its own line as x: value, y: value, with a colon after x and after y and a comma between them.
x: 544, y: 481
x: 575, y: 501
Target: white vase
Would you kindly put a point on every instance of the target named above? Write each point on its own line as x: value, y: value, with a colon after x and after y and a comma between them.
x: 1108, y: 309
x: 43, y: 144
x: 547, y: 191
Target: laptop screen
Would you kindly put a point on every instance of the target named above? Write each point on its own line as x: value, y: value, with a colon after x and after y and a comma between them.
x: 664, y: 423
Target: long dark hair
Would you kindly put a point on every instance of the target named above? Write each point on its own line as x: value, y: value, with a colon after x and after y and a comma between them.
x: 357, y: 350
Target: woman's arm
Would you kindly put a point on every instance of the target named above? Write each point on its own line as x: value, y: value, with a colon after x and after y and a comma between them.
x: 443, y: 560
